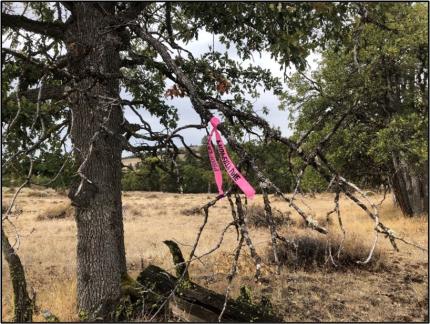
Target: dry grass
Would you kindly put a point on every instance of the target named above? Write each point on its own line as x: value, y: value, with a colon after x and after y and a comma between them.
x: 393, y: 288
x: 192, y: 211
x: 131, y: 211
x: 16, y: 209
x: 40, y: 194
x: 57, y: 211
x: 10, y: 190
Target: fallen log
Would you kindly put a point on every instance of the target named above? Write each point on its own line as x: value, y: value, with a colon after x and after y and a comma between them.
x: 193, y: 302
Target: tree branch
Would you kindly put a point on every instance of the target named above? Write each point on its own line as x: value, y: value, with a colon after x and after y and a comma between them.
x: 52, y: 29
x: 48, y: 92
x: 202, y: 108
x: 142, y: 60
x: 55, y: 69
x: 69, y: 5
x: 133, y: 11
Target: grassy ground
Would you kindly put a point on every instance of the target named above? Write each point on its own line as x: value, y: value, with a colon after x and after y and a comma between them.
x: 393, y: 287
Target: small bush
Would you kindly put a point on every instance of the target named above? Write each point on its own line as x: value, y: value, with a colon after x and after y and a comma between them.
x: 191, y: 211
x: 257, y: 217
x: 61, y: 211
x: 311, y: 251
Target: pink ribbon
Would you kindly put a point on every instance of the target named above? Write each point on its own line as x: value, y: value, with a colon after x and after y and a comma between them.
x: 229, y: 166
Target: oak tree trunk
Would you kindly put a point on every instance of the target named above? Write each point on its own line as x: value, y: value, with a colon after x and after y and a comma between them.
x: 93, y: 51
x: 409, y: 183
x: 410, y: 186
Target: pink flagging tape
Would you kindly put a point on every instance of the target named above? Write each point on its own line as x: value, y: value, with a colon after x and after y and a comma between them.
x: 229, y: 166
x: 214, y: 163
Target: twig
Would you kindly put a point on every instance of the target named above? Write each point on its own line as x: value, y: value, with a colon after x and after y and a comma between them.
x: 231, y: 276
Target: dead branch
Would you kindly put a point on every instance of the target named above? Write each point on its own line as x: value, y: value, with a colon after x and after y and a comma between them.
x: 23, y: 305
x: 178, y: 259
x: 243, y: 226
x: 202, y: 108
x: 231, y: 276
x: 339, y: 218
x: 272, y: 225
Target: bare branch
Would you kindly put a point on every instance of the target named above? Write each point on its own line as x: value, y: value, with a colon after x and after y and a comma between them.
x: 202, y: 109
x: 231, y: 276
x: 69, y: 5
x: 243, y: 226
x: 272, y: 225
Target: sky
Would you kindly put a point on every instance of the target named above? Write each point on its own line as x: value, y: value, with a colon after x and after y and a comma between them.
x: 186, y: 113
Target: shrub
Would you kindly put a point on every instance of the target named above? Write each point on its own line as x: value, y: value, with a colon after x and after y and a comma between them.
x: 131, y: 182
x: 311, y: 251
x: 257, y: 217
x: 312, y: 181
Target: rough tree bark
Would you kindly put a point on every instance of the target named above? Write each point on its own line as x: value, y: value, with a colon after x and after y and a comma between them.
x: 410, y: 187
x: 23, y: 305
x: 93, y: 51
x: 409, y: 184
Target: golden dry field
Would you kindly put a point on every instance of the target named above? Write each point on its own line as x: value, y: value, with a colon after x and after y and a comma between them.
x: 392, y: 287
